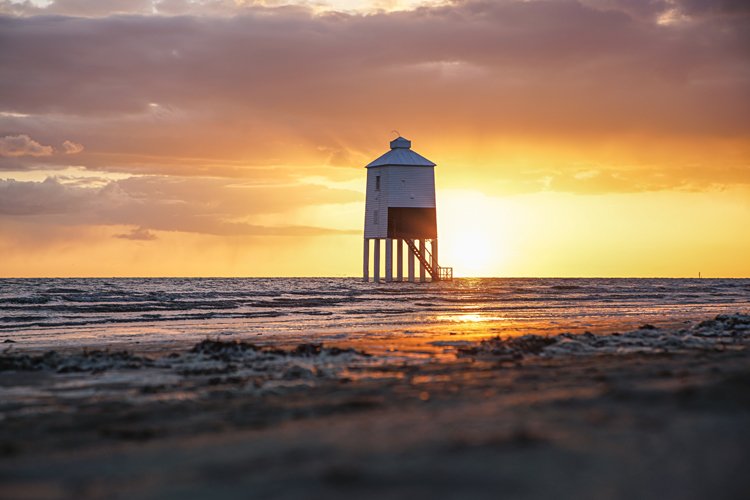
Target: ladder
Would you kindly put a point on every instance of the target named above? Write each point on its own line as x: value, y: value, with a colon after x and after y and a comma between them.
x: 425, y: 258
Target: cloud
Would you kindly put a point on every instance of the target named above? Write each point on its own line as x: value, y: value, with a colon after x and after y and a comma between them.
x: 98, y: 8
x: 71, y: 147
x: 22, y: 145
x: 41, y: 198
x: 656, y: 10
x: 274, y: 94
x: 712, y: 7
x: 276, y: 64
x: 92, y: 8
x: 139, y: 233
x: 205, y: 206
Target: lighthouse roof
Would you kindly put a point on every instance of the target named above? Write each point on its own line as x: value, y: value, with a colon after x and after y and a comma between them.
x: 401, y: 154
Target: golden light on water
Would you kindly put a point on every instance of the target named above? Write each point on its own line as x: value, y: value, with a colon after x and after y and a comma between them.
x: 469, y: 318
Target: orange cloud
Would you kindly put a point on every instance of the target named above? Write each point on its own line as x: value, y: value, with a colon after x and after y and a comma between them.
x: 71, y: 147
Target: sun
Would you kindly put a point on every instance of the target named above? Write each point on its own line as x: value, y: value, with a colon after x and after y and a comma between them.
x: 468, y: 252
x: 471, y: 232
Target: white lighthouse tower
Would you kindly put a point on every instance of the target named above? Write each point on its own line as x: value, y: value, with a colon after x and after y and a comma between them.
x: 400, y: 207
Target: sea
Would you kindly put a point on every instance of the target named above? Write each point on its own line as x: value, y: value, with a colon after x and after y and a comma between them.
x: 56, y: 313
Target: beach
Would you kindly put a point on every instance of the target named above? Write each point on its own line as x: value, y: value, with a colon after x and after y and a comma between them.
x: 375, y: 249
x: 649, y: 405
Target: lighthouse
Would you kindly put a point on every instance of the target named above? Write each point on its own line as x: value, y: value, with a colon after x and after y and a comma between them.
x: 400, y: 210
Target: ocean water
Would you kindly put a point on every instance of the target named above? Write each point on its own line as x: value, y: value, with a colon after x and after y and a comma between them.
x: 60, y: 312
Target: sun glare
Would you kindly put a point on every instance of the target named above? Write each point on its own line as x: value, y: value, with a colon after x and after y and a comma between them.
x: 471, y: 230
x: 469, y: 251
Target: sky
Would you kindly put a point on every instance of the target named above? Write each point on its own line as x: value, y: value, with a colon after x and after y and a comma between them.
x: 228, y: 137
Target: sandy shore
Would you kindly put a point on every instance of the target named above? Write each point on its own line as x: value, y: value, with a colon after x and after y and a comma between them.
x: 646, y: 413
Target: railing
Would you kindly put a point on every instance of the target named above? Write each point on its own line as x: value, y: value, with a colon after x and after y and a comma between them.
x: 445, y: 273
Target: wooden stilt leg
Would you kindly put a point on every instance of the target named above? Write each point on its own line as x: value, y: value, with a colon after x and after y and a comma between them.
x: 376, y: 264
x: 399, y: 260
x: 411, y: 265
x: 388, y: 260
x: 366, y: 261
x: 422, y: 272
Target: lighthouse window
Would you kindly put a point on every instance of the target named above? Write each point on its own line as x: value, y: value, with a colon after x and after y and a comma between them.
x: 377, y: 185
x: 375, y: 215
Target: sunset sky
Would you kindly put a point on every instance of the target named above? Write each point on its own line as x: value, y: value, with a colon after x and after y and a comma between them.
x: 228, y: 137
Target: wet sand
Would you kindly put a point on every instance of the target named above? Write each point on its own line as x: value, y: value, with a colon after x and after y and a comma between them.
x: 647, y: 413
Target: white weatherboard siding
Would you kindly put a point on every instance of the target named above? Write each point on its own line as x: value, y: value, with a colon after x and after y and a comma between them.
x: 410, y: 186
x: 400, y: 186
x: 376, y: 208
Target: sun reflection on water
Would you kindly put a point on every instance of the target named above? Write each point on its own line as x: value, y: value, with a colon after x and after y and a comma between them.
x: 469, y: 318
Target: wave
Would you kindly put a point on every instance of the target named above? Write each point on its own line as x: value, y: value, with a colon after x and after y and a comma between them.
x: 141, y: 319
x: 42, y: 303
